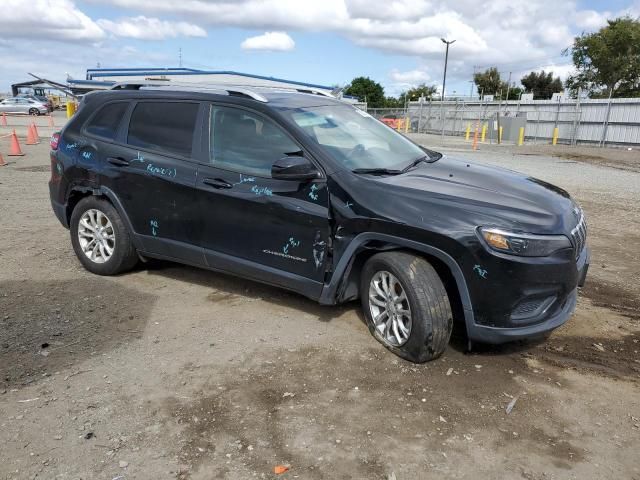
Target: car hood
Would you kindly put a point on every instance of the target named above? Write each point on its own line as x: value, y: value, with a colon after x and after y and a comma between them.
x: 485, y: 194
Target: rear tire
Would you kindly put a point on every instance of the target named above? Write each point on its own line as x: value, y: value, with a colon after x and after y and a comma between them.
x: 100, y: 239
x: 409, y: 289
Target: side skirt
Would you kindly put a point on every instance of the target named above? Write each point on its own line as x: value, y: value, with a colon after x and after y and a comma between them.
x: 219, y: 262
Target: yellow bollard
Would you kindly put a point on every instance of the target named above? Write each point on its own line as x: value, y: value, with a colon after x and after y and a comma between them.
x: 483, y: 135
x: 468, y: 132
x: 521, y: 136
x: 500, y: 135
x: 406, y: 125
x: 71, y: 108
x: 554, y: 139
x: 398, y: 124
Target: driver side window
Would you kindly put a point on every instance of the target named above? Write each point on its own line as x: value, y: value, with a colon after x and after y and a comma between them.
x: 245, y: 142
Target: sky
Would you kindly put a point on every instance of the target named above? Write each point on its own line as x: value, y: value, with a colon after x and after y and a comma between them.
x: 326, y: 42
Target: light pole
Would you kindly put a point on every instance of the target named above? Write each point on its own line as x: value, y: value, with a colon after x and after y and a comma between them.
x: 446, y: 59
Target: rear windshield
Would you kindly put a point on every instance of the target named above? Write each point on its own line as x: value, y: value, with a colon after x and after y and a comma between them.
x: 105, y: 123
x: 163, y: 126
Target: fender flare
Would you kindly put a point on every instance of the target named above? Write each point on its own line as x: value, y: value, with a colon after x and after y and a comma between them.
x: 330, y: 290
x: 117, y: 204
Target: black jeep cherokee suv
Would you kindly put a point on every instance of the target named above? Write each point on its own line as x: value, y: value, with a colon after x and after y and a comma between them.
x: 303, y: 191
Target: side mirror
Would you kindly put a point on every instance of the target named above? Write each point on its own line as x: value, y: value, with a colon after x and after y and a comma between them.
x: 294, y: 168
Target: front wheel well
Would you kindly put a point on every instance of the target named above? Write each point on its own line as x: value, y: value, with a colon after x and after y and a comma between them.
x: 350, y: 286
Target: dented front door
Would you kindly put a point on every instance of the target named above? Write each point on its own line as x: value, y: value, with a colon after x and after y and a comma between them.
x: 277, y: 224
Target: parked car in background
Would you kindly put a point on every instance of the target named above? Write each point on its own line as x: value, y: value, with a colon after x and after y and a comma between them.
x: 38, y: 98
x: 23, y: 105
x: 305, y: 192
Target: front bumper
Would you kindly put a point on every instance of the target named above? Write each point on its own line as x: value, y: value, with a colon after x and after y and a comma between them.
x: 557, y: 313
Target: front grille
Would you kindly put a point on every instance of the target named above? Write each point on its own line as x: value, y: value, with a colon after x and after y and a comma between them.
x: 579, y: 235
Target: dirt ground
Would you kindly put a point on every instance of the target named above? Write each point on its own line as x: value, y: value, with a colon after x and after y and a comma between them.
x: 171, y: 372
x: 621, y: 158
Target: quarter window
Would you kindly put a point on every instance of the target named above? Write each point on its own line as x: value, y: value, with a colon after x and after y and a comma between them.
x: 245, y: 142
x: 105, y: 123
x: 163, y: 126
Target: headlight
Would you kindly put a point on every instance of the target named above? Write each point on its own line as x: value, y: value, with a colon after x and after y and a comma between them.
x: 523, y: 244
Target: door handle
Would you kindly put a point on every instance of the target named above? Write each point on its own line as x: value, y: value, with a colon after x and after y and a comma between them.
x: 118, y: 161
x: 216, y: 183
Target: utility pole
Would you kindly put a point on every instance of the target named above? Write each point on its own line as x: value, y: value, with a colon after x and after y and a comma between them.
x: 446, y: 59
x: 508, y: 88
x: 180, y: 57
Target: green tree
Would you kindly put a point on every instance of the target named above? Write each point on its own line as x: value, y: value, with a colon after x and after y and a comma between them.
x: 514, y: 92
x: 541, y: 84
x: 366, y: 90
x: 489, y: 82
x: 607, y: 61
x: 422, y: 90
x: 393, y: 102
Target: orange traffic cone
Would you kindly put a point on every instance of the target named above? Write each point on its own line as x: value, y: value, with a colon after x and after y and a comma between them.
x: 15, y: 146
x: 51, y: 121
x: 2, y: 162
x: 31, y: 136
x: 3, y: 122
x: 35, y: 129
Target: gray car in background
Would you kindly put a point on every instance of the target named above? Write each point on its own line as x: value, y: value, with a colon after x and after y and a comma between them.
x: 38, y: 98
x: 23, y: 105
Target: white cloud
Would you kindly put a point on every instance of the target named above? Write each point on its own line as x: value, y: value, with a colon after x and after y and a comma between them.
x: 411, y: 77
x: 145, y: 28
x: 499, y: 31
x: 272, y: 41
x: 43, y: 59
x: 47, y: 19
x: 514, y: 35
x: 591, y: 20
x: 562, y: 71
x: 275, y: 15
x: 395, y: 9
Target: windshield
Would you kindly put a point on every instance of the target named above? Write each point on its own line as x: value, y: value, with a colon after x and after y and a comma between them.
x: 354, y: 138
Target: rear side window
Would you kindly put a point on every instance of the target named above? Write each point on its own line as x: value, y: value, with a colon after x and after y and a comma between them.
x: 105, y: 123
x: 163, y: 126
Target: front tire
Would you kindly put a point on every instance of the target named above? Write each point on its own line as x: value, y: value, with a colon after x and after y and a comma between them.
x: 34, y: 112
x: 100, y: 239
x: 406, y: 305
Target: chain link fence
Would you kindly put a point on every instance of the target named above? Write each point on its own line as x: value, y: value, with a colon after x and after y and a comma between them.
x: 568, y: 121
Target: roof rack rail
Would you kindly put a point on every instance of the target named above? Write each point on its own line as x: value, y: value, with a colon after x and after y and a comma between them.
x: 137, y: 85
x: 313, y: 91
x: 228, y: 88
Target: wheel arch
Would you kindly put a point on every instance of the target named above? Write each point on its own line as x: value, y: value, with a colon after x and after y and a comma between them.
x: 78, y: 192
x: 346, y: 277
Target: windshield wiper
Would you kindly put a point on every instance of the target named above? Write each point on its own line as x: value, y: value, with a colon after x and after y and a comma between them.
x: 415, y: 162
x: 430, y: 157
x: 433, y: 156
x: 377, y: 171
